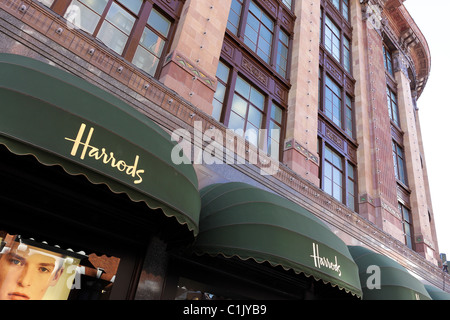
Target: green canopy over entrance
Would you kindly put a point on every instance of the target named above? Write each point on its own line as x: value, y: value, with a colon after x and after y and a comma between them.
x: 244, y: 221
x: 436, y: 293
x: 63, y: 120
x: 395, y: 282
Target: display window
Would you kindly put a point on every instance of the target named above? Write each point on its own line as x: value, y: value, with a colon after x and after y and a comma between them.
x: 68, y: 219
x: 33, y: 270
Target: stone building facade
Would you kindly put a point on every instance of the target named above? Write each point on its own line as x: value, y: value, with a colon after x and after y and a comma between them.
x: 336, y: 80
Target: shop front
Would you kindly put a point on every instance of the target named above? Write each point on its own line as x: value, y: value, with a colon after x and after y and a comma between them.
x: 254, y: 244
x: 88, y: 189
x: 93, y: 204
x: 436, y: 293
x: 382, y: 278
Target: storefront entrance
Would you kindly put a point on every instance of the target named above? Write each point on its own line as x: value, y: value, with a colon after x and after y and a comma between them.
x: 56, y: 209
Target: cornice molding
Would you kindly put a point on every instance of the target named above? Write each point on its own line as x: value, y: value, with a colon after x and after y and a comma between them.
x: 409, y: 40
x: 390, y: 18
x: 172, y: 112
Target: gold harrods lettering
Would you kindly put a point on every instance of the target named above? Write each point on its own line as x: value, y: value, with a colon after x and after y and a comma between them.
x: 325, y: 262
x: 101, y: 154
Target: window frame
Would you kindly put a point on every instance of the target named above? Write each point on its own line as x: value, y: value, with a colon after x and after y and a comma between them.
x: 335, y: 170
x: 224, y: 85
x: 279, y: 25
x: 352, y: 191
x: 335, y: 91
x: 135, y: 41
x: 262, y: 25
x: 392, y: 102
x: 399, y: 163
x: 269, y: 103
x: 244, y: 62
x: 347, y: 55
x: 250, y: 105
x: 344, y: 96
x: 341, y: 8
x: 334, y: 35
x: 339, y: 135
x: 407, y: 220
x: 388, y: 61
x: 323, y: 144
x: 140, y: 23
x: 345, y: 34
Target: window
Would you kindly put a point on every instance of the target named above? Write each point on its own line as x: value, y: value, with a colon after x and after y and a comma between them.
x: 223, y: 73
x: 336, y: 34
x: 234, y: 16
x: 134, y: 29
x: 337, y: 109
x: 249, y: 109
x: 246, y: 109
x: 253, y: 84
x: 333, y: 101
x: 387, y: 60
x: 116, y: 28
x: 347, y: 55
x: 52, y: 272
x: 333, y: 174
x: 399, y: 162
x: 47, y: 3
x: 392, y: 106
x: 283, y: 51
x: 336, y: 3
x: 351, y: 186
x: 407, y: 225
x: 332, y: 39
x: 261, y: 33
x: 348, y: 116
x: 288, y: 3
x: 336, y: 130
x: 152, y: 43
x: 274, y: 132
x: 338, y: 176
x: 343, y: 7
x: 345, y: 10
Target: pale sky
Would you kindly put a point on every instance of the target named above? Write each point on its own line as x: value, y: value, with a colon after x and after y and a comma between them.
x: 432, y: 17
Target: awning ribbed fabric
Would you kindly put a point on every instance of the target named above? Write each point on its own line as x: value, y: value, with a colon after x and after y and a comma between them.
x: 385, y: 279
x: 436, y: 293
x: 64, y: 120
x: 240, y: 220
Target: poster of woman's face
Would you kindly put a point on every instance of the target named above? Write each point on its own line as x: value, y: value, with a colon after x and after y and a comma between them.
x: 32, y: 273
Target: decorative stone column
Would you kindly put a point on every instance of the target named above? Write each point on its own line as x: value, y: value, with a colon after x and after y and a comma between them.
x: 423, y: 235
x: 190, y: 67
x: 377, y: 184
x: 300, y: 148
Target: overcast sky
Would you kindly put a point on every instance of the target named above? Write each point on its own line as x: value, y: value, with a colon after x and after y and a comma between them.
x: 432, y: 17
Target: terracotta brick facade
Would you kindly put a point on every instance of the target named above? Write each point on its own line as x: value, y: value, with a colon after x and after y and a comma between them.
x: 185, y: 90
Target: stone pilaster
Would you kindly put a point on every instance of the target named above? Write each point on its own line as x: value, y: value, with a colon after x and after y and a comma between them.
x: 423, y: 231
x: 376, y: 181
x: 300, y: 152
x: 191, y: 65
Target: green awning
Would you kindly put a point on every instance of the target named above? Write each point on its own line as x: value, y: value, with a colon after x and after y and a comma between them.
x: 244, y: 221
x: 64, y: 120
x: 436, y: 293
x: 384, y: 279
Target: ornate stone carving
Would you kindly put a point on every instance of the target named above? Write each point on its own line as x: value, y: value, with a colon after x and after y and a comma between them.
x: 372, y: 13
x: 401, y: 63
x: 255, y: 71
